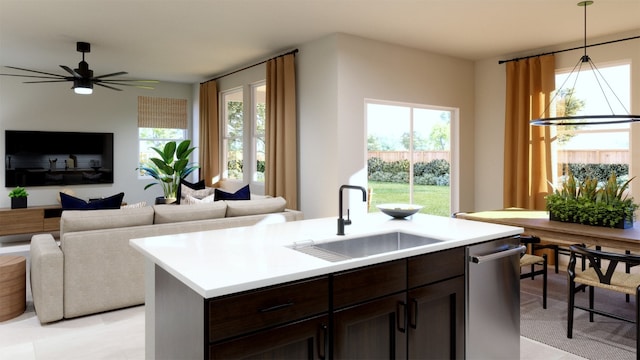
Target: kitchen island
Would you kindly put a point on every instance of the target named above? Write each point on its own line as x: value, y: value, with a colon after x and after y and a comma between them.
x: 202, y: 287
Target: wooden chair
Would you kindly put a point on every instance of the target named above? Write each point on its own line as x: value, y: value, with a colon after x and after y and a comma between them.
x: 606, y: 278
x: 530, y: 261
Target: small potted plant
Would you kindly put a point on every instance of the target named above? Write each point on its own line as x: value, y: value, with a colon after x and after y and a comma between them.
x: 168, y: 169
x: 18, y: 198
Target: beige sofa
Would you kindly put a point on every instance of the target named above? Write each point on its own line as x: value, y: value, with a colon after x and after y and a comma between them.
x: 94, y: 269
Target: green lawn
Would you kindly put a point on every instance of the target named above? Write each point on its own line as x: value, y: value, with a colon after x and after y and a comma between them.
x: 435, y: 199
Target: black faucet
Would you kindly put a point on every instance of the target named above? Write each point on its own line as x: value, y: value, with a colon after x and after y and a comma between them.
x: 342, y: 222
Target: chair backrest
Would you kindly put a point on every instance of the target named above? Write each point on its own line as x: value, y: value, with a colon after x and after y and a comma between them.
x: 595, y: 258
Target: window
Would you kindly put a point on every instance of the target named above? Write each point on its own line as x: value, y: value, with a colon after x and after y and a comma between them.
x: 244, y: 141
x: 593, y: 150
x: 259, y: 122
x: 409, y: 152
x: 233, y: 144
x: 160, y: 120
x: 156, y: 137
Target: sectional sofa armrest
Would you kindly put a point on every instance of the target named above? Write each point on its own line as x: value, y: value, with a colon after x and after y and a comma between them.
x: 47, y: 262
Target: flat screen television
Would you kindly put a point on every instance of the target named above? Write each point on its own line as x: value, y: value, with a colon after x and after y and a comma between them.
x: 44, y: 158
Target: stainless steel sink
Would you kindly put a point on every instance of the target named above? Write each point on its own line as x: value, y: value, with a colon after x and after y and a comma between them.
x: 362, y: 246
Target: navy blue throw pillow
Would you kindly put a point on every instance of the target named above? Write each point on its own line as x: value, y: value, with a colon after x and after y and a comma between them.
x: 69, y: 202
x: 241, y: 194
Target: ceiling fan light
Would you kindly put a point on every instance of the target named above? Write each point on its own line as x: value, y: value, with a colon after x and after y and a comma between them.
x: 82, y: 86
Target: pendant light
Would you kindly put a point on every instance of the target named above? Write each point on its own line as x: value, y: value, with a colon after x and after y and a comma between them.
x: 587, y: 119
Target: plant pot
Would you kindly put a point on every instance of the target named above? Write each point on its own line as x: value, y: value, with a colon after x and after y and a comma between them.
x: 163, y: 200
x: 18, y: 202
x: 622, y: 224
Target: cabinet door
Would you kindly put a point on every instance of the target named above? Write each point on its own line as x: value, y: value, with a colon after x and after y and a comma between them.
x: 306, y: 339
x: 373, y: 330
x: 436, y: 320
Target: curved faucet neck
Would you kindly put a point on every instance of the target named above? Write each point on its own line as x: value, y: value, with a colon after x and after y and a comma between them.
x: 341, y: 221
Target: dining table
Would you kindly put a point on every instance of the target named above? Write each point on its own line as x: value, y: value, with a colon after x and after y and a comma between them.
x: 537, y: 223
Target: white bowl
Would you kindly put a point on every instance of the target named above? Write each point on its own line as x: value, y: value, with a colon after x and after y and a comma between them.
x: 399, y: 211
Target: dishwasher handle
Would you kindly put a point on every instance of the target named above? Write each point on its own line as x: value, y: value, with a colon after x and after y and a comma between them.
x: 479, y: 259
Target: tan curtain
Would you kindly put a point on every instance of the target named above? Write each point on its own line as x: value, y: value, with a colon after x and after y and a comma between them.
x: 209, y: 134
x: 281, y: 163
x: 527, y: 149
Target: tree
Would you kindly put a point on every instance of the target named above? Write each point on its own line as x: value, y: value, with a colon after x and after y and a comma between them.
x: 439, y: 136
x: 419, y: 143
x: 567, y: 105
x: 235, y: 124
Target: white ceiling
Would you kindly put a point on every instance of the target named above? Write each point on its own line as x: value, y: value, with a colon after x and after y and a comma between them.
x: 191, y: 41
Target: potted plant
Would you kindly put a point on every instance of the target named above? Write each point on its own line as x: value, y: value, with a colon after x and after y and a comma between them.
x: 587, y: 203
x: 168, y: 169
x: 18, y: 198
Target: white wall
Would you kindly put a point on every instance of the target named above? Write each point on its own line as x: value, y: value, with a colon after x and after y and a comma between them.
x: 55, y: 107
x: 490, y: 105
x: 335, y: 75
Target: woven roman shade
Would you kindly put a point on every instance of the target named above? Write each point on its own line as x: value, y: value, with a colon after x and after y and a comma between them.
x: 166, y: 113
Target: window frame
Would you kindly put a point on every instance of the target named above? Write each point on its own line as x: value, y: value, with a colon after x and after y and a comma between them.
x: 601, y: 130
x: 249, y: 135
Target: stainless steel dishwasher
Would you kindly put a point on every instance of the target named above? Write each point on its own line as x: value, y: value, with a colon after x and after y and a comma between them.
x: 492, y: 329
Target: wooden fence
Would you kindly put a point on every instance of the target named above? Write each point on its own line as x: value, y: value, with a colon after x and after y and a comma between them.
x: 593, y: 156
x: 418, y: 156
x: 596, y: 156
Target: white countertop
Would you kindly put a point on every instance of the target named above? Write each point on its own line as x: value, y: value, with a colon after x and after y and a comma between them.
x: 221, y: 262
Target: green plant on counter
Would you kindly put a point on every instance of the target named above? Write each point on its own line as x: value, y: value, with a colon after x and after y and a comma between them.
x: 172, y: 165
x: 18, y: 192
x: 586, y: 203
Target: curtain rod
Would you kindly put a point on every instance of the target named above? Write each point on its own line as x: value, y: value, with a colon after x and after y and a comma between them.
x: 250, y: 66
x: 575, y: 48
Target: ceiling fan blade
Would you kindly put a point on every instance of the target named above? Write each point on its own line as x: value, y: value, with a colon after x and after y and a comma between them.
x: 142, y: 81
x: 62, y: 78
x: 112, y: 74
x: 35, y: 71
x: 43, y: 81
x: 113, y: 82
x: 71, y: 71
x: 107, y: 86
x: 121, y: 84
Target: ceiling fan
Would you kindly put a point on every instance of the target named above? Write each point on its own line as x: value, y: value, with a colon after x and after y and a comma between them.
x: 82, y: 77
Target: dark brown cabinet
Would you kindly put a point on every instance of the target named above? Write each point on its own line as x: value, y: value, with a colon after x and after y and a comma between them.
x: 436, y: 320
x: 307, y: 339
x: 411, y: 308
x: 373, y: 330
x: 435, y: 305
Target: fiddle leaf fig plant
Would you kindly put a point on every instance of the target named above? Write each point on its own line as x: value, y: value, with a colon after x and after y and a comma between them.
x: 170, y: 167
x: 586, y: 203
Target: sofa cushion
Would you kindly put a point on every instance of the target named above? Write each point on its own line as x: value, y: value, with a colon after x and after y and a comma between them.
x: 74, y: 220
x: 185, y: 186
x: 255, y: 207
x: 196, y: 193
x: 178, y: 213
x: 190, y: 200
x: 242, y: 194
x: 69, y: 202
